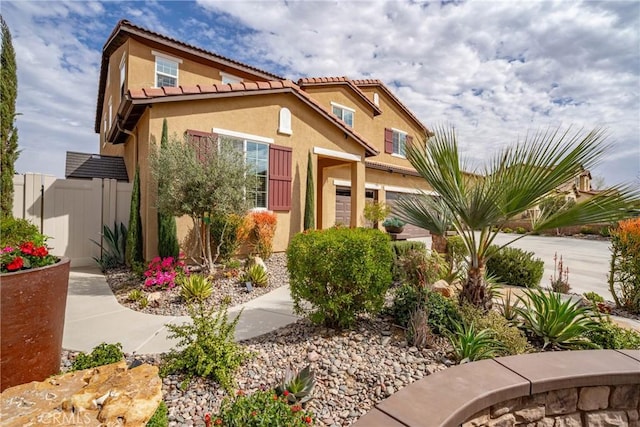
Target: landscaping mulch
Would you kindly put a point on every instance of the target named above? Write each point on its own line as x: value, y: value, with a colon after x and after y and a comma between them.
x: 169, y: 303
x: 354, y: 370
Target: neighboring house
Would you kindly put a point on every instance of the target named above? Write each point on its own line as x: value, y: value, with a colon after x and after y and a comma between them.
x: 356, y: 130
x: 577, y: 189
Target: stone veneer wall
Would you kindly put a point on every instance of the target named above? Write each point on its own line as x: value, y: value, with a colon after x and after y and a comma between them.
x: 582, y: 406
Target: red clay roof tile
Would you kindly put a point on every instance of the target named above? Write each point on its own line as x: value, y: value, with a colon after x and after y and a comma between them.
x: 310, y: 81
x: 172, y: 90
x: 208, y: 88
x: 153, y: 92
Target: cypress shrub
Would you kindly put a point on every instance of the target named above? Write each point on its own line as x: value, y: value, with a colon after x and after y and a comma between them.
x: 134, y: 235
x: 8, y: 132
x: 309, y: 208
x: 167, y: 233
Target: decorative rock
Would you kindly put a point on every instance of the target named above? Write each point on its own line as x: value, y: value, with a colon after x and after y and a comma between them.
x: 625, y: 396
x: 109, y: 395
x: 313, y: 356
x: 593, y: 398
x: 479, y: 419
x: 633, y: 415
x: 504, y: 407
x: 444, y: 288
x: 259, y: 261
x: 508, y: 420
x: 530, y: 414
x: 562, y: 401
x: 572, y: 420
x: 607, y: 418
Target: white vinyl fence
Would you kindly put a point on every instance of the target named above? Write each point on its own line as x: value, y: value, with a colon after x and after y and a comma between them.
x: 71, y: 211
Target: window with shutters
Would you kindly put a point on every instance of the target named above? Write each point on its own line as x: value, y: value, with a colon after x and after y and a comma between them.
x: 396, y: 142
x: 344, y: 113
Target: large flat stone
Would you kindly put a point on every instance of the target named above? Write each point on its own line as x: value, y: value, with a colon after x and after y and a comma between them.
x: 377, y: 418
x: 457, y: 393
x: 565, y: 369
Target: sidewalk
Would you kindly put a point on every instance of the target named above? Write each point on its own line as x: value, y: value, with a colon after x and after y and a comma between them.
x: 93, y: 316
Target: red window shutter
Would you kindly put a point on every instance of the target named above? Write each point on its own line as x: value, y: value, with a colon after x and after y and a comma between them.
x: 202, y: 142
x: 388, y: 141
x: 279, y: 178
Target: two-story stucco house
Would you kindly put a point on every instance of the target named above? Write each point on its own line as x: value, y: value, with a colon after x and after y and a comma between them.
x: 356, y: 130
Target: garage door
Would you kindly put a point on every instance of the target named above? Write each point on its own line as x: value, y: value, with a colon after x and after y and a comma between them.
x: 410, y: 231
x: 343, y: 204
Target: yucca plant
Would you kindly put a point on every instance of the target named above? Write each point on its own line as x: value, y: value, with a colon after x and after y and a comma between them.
x: 297, y: 388
x: 257, y: 275
x: 517, y: 179
x: 557, y: 323
x: 508, y: 306
x: 470, y: 344
x: 196, y: 287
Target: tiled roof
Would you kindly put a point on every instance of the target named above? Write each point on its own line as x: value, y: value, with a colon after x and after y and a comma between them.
x: 141, y: 97
x: 87, y: 166
x: 391, y: 168
x: 378, y: 83
x: 322, y: 81
x: 125, y: 29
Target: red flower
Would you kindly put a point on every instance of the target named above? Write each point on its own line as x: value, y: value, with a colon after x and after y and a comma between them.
x: 27, y: 248
x: 240, y: 393
x: 285, y: 393
x: 218, y: 422
x: 296, y: 408
x: 254, y: 413
x: 207, y: 420
x: 41, y: 252
x: 308, y: 420
x: 16, y: 264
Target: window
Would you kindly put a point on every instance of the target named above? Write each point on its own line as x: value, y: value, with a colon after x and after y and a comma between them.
x: 110, y: 112
x: 376, y: 99
x: 229, y: 78
x: 256, y: 156
x: 123, y: 72
x: 166, y: 69
x: 344, y: 113
x: 396, y: 141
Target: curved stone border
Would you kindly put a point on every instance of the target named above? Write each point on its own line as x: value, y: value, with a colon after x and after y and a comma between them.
x: 451, y: 397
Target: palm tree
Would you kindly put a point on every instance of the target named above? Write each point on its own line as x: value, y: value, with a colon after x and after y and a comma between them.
x: 515, y: 180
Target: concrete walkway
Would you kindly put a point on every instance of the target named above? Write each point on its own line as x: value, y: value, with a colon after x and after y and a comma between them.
x: 93, y: 316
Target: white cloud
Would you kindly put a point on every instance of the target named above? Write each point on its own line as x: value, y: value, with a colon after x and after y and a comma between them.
x: 494, y: 69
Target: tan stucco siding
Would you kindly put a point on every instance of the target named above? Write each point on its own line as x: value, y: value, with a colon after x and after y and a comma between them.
x: 344, y: 96
x: 254, y: 115
x: 392, y: 117
x: 112, y: 89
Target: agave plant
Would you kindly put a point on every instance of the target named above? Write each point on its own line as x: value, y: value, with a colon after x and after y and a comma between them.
x: 297, y: 388
x: 257, y: 275
x: 112, y: 246
x: 470, y: 344
x: 515, y: 180
x: 508, y: 306
x: 196, y: 287
x: 558, y: 323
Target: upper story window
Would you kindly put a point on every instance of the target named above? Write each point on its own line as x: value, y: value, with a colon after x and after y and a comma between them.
x: 166, y: 70
x: 344, y: 113
x: 110, y: 112
x: 123, y: 73
x: 395, y: 142
x: 229, y: 78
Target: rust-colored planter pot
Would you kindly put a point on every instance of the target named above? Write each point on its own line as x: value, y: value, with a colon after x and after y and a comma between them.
x: 32, y: 307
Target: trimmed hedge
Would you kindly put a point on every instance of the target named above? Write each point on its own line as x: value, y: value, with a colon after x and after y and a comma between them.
x: 515, y: 267
x: 340, y: 272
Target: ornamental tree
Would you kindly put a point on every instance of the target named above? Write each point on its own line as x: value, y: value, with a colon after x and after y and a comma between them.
x: 8, y: 132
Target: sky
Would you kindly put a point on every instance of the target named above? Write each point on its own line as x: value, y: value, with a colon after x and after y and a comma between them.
x: 494, y: 70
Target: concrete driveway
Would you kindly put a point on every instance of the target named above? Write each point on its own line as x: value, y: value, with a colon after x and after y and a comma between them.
x: 588, y: 260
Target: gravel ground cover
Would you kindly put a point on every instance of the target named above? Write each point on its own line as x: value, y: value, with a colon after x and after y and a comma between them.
x: 354, y: 370
x: 169, y: 303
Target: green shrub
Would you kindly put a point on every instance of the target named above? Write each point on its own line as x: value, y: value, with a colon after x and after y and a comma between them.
x: 442, y: 312
x: 341, y: 272
x: 611, y: 336
x: 515, y: 267
x: 102, y: 354
x: 624, y: 273
x: 421, y: 269
x: 605, y: 231
x: 257, y: 275
x: 195, y: 287
x: 133, y: 251
x: 262, y: 408
x: 160, y: 418
x: 224, y: 233
x: 135, y: 295
x: 14, y: 232
x: 455, y: 257
x: 168, y: 245
x: 507, y: 230
x: 206, y: 348
x: 113, y: 246
x: 512, y: 339
x: 400, y: 248
x: 471, y: 343
x: 393, y: 222
x: 561, y: 324
x: 521, y: 230
x: 593, y: 297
